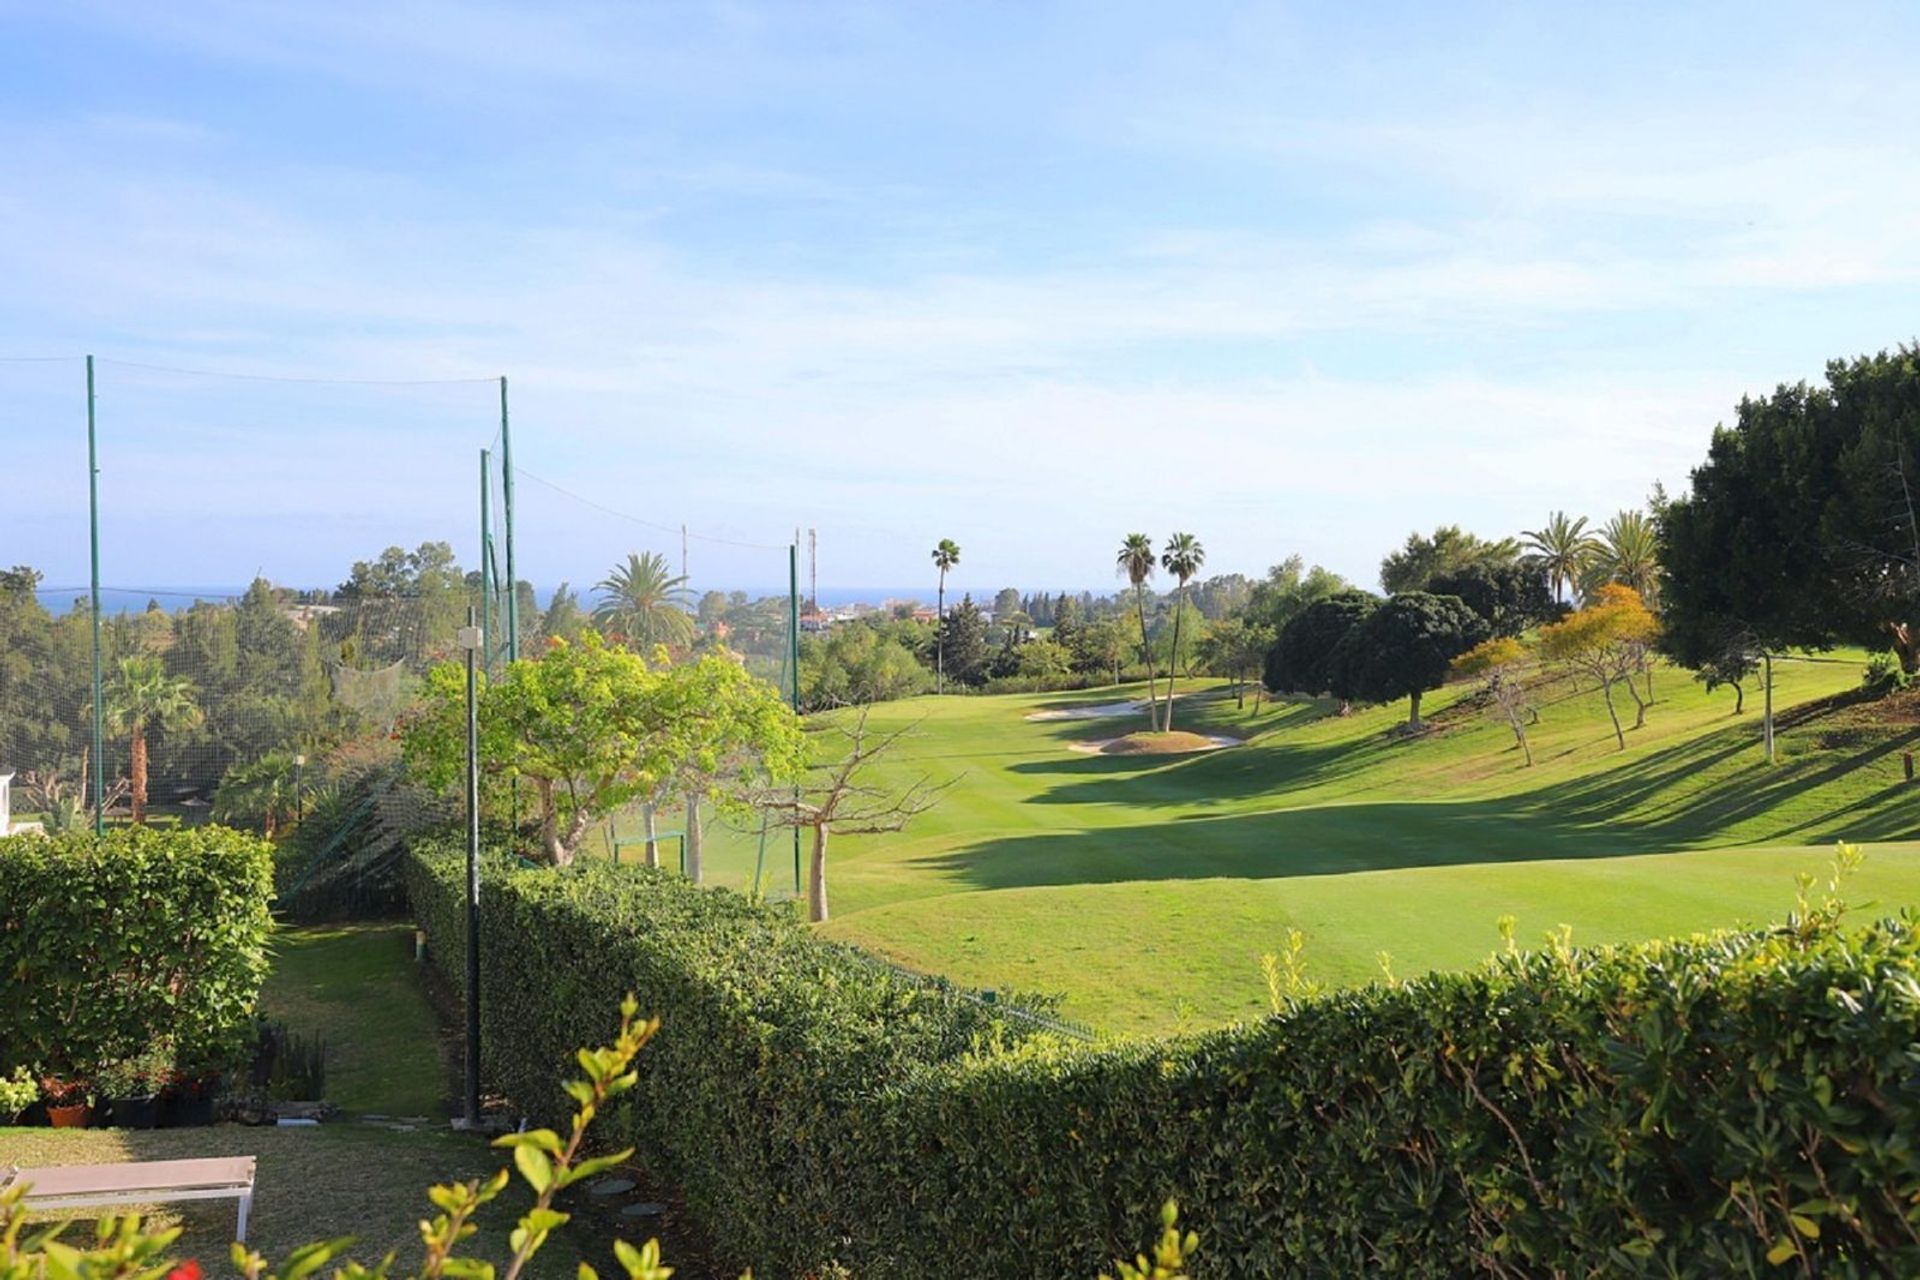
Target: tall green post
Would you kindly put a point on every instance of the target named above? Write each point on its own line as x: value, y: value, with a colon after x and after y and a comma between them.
x: 506, y: 501
x: 793, y: 673
x: 93, y: 520
x: 486, y: 562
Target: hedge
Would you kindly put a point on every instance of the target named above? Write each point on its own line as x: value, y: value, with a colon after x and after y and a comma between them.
x: 1726, y: 1104
x: 110, y: 945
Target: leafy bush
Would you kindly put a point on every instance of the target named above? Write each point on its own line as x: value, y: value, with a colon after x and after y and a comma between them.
x: 109, y: 944
x: 1706, y: 1106
x: 547, y: 1163
x: 1883, y: 675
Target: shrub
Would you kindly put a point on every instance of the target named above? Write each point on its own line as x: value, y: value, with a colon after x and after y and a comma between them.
x: 547, y: 1162
x: 1883, y: 675
x: 1697, y: 1107
x: 109, y: 944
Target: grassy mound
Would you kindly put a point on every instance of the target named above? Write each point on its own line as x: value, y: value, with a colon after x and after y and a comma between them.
x: 1176, y: 743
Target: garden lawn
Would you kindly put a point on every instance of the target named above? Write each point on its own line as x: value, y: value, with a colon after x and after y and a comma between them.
x: 1146, y: 889
x: 356, y: 987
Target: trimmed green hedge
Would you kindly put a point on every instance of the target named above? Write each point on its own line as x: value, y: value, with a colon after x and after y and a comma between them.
x: 109, y: 945
x: 1680, y: 1108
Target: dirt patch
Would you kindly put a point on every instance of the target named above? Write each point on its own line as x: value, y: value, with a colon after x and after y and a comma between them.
x: 1177, y: 743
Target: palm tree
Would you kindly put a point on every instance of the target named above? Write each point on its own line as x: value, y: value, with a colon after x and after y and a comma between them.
x: 945, y: 556
x: 1628, y: 552
x: 1563, y: 548
x: 644, y: 603
x: 1183, y: 558
x: 142, y: 698
x: 1136, y: 562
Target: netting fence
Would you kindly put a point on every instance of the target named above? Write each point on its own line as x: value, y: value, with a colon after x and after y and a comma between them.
x: 280, y: 562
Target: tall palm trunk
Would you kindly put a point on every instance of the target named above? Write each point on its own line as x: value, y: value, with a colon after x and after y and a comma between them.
x: 940, y: 637
x: 1173, y: 659
x: 139, y: 770
x: 817, y: 877
x: 1146, y: 651
x: 692, y: 844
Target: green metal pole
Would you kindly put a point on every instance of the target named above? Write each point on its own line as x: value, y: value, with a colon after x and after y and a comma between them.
x: 93, y: 519
x: 486, y: 562
x: 506, y: 498
x: 793, y: 673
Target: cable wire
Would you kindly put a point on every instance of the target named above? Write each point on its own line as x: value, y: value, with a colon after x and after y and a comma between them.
x: 645, y: 523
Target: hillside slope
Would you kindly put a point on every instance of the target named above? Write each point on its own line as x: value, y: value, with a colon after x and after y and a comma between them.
x: 1145, y: 888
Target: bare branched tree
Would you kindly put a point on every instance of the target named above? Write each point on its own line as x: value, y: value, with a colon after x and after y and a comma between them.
x: 836, y: 797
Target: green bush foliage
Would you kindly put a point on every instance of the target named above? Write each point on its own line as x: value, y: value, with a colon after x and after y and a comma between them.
x: 1718, y: 1105
x: 108, y: 945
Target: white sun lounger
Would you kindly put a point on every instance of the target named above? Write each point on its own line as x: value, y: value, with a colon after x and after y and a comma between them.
x: 89, y: 1186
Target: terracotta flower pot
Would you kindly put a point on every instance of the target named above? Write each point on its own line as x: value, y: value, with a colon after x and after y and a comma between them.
x: 72, y: 1117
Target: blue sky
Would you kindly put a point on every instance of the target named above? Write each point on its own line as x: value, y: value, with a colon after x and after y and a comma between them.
x: 1297, y: 278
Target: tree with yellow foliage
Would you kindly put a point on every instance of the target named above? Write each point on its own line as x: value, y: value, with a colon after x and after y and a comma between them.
x: 1611, y: 640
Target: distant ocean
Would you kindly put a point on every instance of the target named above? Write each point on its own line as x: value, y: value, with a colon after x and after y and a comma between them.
x: 134, y: 599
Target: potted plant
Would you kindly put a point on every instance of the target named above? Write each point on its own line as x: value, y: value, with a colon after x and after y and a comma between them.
x: 130, y: 1091
x: 67, y: 1102
x: 188, y: 1098
x: 17, y: 1092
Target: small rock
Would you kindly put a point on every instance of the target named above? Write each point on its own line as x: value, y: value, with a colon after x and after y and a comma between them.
x: 611, y: 1187
x: 645, y: 1209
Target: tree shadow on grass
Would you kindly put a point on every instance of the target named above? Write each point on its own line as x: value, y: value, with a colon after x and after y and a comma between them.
x: 1713, y: 789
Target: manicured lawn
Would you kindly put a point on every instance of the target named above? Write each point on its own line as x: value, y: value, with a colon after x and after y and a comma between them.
x: 355, y: 986
x: 1146, y: 888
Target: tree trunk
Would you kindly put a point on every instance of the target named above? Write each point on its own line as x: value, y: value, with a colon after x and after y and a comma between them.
x: 1146, y: 651
x: 1173, y: 658
x: 652, y: 828
x: 940, y: 637
x: 1413, y: 711
x: 1649, y: 682
x: 550, y: 842
x: 692, y: 844
x: 1639, y: 703
x: 1519, y: 722
x: 1606, y: 691
x: 576, y: 828
x: 139, y: 770
x: 1739, y: 697
x: 1906, y: 646
x: 817, y: 877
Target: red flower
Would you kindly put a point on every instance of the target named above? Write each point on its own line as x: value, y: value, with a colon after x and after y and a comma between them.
x: 188, y: 1270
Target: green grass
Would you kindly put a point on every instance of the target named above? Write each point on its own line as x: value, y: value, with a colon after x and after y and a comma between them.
x: 1146, y: 889
x: 355, y: 987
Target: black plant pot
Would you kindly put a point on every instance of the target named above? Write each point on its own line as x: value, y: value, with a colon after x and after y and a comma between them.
x: 185, y: 1113
x: 134, y: 1113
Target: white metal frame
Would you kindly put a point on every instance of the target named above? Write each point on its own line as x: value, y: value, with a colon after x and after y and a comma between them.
x: 241, y: 1191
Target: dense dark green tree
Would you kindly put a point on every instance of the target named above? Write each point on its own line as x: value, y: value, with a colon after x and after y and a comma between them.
x: 1007, y: 601
x: 1510, y: 598
x: 1300, y: 660
x: 1801, y: 527
x: 1449, y: 549
x: 1405, y: 647
x: 963, y: 641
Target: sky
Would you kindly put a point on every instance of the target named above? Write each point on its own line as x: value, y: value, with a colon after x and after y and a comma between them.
x: 1296, y: 278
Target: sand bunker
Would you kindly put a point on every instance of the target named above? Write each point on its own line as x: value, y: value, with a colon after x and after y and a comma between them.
x: 1177, y: 743
x: 1105, y: 711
